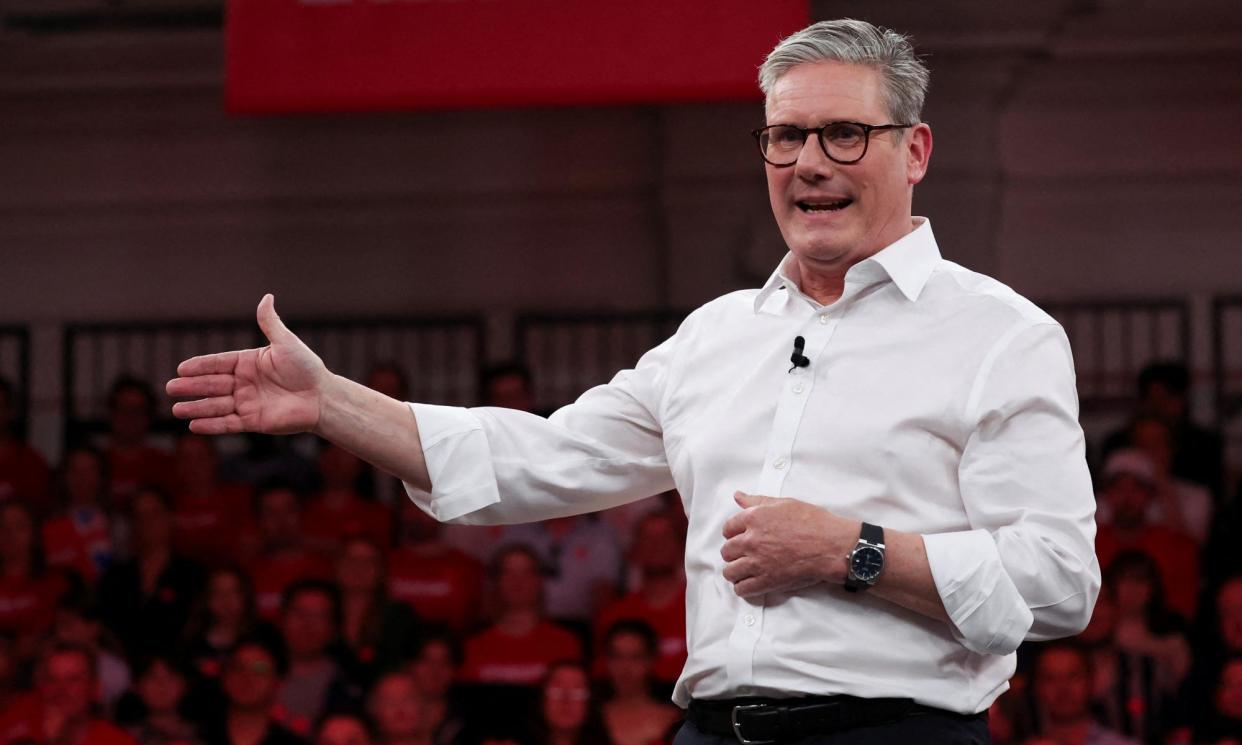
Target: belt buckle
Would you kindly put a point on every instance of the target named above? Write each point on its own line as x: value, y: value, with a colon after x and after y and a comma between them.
x: 737, y: 726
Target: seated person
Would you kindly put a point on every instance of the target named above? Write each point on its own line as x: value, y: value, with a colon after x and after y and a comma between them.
x: 632, y: 714
x: 62, y: 707
x: 1062, y: 688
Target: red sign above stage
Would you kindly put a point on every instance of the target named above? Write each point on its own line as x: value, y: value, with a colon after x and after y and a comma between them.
x: 370, y: 55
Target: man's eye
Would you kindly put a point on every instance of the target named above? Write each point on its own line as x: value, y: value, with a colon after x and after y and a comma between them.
x: 786, y: 136
x: 844, y: 134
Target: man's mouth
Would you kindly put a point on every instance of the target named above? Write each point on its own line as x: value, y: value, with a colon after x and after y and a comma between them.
x: 824, y: 206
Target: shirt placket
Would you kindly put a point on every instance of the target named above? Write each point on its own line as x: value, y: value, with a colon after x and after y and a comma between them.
x: 796, y: 389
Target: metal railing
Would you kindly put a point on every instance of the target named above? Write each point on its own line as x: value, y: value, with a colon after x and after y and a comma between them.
x: 568, y: 353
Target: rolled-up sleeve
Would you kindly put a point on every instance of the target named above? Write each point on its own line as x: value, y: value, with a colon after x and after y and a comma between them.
x: 500, y: 466
x: 1027, y: 567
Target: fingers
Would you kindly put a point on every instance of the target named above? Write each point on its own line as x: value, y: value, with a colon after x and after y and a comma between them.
x: 736, y: 571
x: 200, y: 386
x: 204, y: 408
x: 271, y: 325
x: 750, y: 588
x: 221, y: 425
x: 732, y: 550
x: 735, y: 525
x: 745, y: 500
x: 208, y: 364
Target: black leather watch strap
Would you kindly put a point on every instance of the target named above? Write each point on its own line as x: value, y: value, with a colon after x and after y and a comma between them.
x: 872, y: 533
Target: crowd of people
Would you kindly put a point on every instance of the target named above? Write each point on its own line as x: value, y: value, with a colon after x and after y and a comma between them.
x: 172, y: 594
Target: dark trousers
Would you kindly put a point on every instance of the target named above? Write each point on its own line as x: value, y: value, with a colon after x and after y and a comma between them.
x: 919, y: 729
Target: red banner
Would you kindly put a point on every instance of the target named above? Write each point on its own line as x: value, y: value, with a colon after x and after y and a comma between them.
x: 352, y: 55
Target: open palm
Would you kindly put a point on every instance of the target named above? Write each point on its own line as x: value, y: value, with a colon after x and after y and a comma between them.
x: 275, y: 390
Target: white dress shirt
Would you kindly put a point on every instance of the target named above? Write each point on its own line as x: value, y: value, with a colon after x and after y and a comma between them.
x: 937, y: 401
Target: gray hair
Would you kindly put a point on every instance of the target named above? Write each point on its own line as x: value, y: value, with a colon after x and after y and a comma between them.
x: 856, y: 43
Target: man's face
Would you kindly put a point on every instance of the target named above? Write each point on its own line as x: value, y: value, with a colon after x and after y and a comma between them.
x: 131, y: 416
x: 658, y: 548
x: 519, y: 584
x: 249, y: 679
x: 1229, y: 609
x: 396, y: 707
x: 67, y: 685
x: 280, y: 517
x: 1129, y: 497
x: 876, y: 190
x: 1062, y: 685
x: 628, y: 662
x: 309, y: 625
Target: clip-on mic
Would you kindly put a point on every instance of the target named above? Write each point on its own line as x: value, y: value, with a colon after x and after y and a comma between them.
x: 797, y: 358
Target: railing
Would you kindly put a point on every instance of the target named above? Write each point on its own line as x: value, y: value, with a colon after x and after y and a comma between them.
x: 15, y: 368
x: 569, y: 353
x: 1114, y: 340
x: 440, y: 355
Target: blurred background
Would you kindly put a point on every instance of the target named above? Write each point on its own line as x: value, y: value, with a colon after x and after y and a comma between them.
x: 153, y: 187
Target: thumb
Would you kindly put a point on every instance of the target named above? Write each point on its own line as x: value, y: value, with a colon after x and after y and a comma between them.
x: 745, y: 500
x: 271, y: 325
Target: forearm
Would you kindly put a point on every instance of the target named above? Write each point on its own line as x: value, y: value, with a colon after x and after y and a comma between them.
x: 380, y: 430
x: 907, y: 579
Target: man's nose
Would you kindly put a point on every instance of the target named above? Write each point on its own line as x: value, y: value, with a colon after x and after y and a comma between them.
x: 813, y: 163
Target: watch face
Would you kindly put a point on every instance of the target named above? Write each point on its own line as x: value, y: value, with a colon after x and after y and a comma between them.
x: 866, y: 563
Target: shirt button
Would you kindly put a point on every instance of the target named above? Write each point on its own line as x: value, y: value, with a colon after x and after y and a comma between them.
x: 779, y: 463
x: 748, y: 619
x: 798, y: 388
x: 823, y: 319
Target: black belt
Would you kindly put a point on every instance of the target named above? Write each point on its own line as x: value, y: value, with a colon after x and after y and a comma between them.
x: 760, y: 721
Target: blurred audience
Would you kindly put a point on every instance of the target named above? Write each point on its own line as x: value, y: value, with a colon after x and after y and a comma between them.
x: 442, y: 584
x: 148, y: 598
x: 133, y: 461
x: 210, y: 517
x: 282, y: 555
x: 24, y: 473
x: 161, y: 688
x: 398, y: 712
x: 434, y: 670
x: 315, y: 681
x: 1197, y: 452
x: 1129, y: 489
x: 520, y: 645
x: 343, y: 729
x: 29, y: 592
x: 1062, y: 688
x: 339, y: 512
x: 251, y: 679
x: 633, y: 715
x: 660, y: 600
x: 79, y: 536
x: 567, y: 714
x: 78, y: 623
x: 379, y: 633
x: 62, y: 708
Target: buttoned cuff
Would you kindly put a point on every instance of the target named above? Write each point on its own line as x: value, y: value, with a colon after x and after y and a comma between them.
x: 459, y: 462
x: 988, y: 615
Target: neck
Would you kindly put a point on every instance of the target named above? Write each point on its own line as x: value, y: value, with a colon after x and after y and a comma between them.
x: 631, y: 697
x: 164, y: 719
x: 248, y: 719
x: 519, y: 621
x: 1070, y: 731
x: 660, y: 588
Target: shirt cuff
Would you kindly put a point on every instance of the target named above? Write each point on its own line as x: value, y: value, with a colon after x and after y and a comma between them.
x: 459, y: 462
x: 988, y: 615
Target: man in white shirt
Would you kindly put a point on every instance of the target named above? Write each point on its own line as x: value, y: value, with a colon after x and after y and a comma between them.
x: 878, y: 451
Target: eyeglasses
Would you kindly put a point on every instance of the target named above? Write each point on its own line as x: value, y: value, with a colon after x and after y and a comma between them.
x: 843, y: 142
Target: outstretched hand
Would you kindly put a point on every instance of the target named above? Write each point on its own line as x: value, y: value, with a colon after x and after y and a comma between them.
x: 277, y: 389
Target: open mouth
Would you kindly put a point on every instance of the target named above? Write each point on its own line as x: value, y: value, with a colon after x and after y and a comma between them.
x: 834, y: 206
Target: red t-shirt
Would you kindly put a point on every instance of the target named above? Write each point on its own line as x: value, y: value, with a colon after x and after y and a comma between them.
x: 1176, y: 555
x: 668, y: 621
x: 357, y: 517
x: 496, y: 657
x: 23, y: 720
x: 24, y: 475
x: 28, y: 604
x: 79, y: 541
x: 270, y: 575
x: 443, y: 588
x: 211, y: 529
x: 131, y: 468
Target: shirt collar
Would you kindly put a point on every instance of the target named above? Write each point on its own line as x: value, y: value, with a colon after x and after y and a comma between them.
x: 909, y: 262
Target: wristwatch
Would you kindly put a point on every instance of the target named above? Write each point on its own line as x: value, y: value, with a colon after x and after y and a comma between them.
x: 866, y: 561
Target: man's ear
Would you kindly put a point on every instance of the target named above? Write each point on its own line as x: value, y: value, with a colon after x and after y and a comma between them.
x: 918, y: 152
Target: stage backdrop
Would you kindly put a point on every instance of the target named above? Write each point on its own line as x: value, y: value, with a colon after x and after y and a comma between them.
x: 372, y: 55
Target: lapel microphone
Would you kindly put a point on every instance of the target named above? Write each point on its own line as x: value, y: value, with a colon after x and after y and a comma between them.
x: 797, y: 358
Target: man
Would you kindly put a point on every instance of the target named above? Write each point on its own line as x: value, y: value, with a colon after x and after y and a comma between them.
x: 927, y: 428
x: 61, y: 709
x: 1062, y: 686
